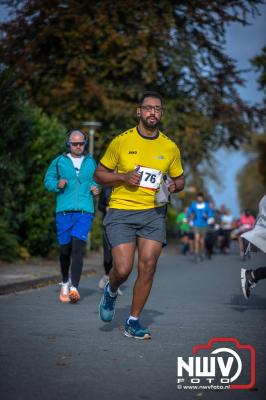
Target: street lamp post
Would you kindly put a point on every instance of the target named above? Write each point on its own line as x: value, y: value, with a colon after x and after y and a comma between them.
x: 92, y: 125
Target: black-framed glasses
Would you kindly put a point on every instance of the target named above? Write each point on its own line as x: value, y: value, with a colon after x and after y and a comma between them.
x: 148, y: 108
x: 77, y: 144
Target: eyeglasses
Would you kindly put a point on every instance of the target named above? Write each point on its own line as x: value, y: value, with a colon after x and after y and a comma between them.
x: 156, y: 109
x: 77, y: 144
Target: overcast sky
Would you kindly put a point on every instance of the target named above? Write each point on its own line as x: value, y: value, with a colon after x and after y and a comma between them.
x: 243, y: 43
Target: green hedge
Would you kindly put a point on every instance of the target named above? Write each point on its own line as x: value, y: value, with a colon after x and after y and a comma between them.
x: 31, y: 140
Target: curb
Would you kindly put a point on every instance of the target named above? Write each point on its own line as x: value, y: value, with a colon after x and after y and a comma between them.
x: 37, y: 283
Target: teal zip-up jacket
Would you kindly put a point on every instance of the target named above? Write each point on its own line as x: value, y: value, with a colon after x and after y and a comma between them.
x: 76, y: 195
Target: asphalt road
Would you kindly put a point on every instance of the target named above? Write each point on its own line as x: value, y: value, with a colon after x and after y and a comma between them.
x: 63, y: 351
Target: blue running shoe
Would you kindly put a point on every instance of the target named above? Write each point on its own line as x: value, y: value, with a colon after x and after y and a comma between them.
x: 134, y: 330
x: 107, y: 305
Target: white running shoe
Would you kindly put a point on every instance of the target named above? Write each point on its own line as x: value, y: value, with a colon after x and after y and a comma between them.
x: 103, y: 282
x: 64, y: 292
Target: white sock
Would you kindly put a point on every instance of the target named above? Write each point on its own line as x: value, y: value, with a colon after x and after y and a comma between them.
x: 112, y: 294
x: 132, y: 318
x: 73, y: 288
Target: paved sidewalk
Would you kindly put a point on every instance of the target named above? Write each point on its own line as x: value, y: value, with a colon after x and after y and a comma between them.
x: 36, y: 272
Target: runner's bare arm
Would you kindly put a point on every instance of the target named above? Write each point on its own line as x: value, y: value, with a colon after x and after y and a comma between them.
x: 106, y: 176
x: 177, y: 184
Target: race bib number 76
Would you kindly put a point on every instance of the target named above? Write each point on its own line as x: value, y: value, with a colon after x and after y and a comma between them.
x: 150, y: 178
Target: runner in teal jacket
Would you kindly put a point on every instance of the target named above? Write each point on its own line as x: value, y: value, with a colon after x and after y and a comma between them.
x: 76, y: 195
x: 70, y: 176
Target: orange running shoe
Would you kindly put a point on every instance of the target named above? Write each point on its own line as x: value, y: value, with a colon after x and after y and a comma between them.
x: 64, y: 293
x: 74, y: 295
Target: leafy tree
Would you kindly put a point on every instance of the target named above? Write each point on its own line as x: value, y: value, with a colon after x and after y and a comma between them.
x: 86, y: 60
x: 14, y: 123
x: 8, y: 242
x: 47, y: 141
x: 30, y: 140
x: 252, y: 180
x: 259, y: 62
x: 251, y: 186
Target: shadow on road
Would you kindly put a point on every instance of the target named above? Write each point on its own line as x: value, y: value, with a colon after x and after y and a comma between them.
x: 147, y: 318
x: 85, y: 292
x: 238, y: 303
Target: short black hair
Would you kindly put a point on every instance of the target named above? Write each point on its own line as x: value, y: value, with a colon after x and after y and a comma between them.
x: 200, y: 194
x: 150, y: 94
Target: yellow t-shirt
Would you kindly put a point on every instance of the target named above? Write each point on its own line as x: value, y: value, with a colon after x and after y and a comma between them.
x: 127, y: 151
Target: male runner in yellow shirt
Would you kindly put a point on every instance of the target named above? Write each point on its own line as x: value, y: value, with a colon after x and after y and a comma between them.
x: 134, y: 164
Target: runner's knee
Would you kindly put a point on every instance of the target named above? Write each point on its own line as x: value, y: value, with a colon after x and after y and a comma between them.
x: 122, y: 272
x: 147, y: 267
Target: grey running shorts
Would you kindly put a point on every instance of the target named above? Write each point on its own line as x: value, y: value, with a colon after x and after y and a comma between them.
x: 201, y: 230
x: 124, y: 226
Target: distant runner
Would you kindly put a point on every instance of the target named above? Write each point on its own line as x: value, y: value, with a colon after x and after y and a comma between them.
x: 199, y: 212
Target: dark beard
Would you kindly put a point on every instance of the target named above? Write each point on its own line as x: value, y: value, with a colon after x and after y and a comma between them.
x: 151, y: 126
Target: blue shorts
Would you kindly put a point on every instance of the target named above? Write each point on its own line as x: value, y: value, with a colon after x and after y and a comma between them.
x: 71, y: 225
